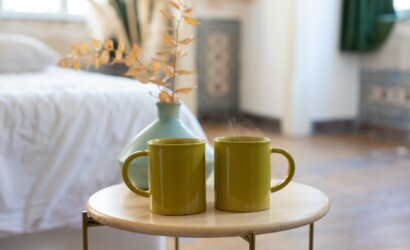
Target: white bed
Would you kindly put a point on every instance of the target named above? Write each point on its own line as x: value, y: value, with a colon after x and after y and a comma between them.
x: 60, y: 133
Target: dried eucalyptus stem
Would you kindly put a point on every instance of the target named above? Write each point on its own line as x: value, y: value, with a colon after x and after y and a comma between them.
x: 165, y: 64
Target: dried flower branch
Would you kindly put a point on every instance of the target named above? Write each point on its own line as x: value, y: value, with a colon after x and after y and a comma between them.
x: 162, y: 70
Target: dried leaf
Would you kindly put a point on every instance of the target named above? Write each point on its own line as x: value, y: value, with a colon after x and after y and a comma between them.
x: 133, y: 72
x: 129, y: 60
x: 142, y: 79
x: 181, y: 53
x: 109, y: 45
x: 188, y: 10
x: 164, y: 96
x: 167, y: 15
x: 185, y: 90
x: 76, y: 49
x: 88, y: 61
x: 135, y: 50
x: 77, y: 64
x: 118, y: 55
x: 167, y: 39
x: 175, y: 4
x: 165, y: 79
x: 184, y: 72
x: 62, y: 62
x: 155, y: 66
x: 175, y: 99
x: 96, y: 61
x: 165, y: 53
x: 121, y: 46
x: 159, y: 60
x: 65, y: 63
x: 168, y: 70
x: 96, y: 44
x: 191, y: 20
x: 158, y: 82
x: 105, y: 57
x: 187, y: 41
x: 85, y: 47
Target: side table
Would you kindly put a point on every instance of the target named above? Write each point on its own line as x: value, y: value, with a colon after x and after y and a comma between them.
x: 295, y: 206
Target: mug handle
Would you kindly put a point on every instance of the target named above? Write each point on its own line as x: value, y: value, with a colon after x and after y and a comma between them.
x: 126, y: 178
x: 291, y: 169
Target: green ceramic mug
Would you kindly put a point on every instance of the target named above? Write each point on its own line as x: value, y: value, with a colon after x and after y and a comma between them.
x: 176, y: 176
x: 243, y: 173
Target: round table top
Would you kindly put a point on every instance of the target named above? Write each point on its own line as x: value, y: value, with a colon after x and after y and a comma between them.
x: 294, y: 206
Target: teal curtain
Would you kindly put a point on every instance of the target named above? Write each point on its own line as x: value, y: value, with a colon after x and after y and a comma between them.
x: 366, y: 24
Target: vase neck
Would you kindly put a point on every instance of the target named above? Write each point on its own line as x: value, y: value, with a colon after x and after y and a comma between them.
x: 168, y: 111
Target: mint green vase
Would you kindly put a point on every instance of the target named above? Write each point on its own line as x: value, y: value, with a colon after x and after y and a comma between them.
x: 167, y: 125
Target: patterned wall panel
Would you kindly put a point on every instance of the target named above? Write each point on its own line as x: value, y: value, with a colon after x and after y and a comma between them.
x: 218, y: 67
x: 385, y: 102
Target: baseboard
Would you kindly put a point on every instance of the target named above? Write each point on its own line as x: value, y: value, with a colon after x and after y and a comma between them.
x: 272, y: 124
x: 334, y: 126
x: 244, y: 119
x: 218, y: 117
x: 385, y: 132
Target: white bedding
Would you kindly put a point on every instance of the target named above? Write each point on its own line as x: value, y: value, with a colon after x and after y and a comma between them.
x: 60, y: 133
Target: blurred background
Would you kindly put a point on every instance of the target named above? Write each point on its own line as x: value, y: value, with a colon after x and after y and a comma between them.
x: 329, y: 80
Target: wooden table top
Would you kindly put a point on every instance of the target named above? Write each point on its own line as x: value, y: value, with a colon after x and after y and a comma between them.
x: 294, y: 206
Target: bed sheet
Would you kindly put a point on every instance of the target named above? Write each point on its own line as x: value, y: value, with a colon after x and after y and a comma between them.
x: 60, y: 133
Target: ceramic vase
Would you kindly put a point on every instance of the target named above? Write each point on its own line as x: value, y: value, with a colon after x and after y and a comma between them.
x: 168, y: 125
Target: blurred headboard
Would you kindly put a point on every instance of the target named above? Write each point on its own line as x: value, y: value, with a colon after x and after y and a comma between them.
x: 57, y: 34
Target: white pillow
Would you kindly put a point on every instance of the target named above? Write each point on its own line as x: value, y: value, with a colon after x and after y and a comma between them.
x: 20, y: 53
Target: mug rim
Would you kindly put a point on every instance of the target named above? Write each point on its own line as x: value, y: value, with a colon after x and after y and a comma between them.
x: 175, y: 142
x: 242, y: 139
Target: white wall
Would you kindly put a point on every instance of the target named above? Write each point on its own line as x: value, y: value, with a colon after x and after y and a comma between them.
x: 221, y: 9
x: 292, y: 68
x: 331, y: 76
x: 267, y: 30
x: 325, y: 82
x: 265, y: 49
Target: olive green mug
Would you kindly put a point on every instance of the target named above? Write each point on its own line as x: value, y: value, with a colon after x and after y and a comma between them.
x: 176, y: 176
x: 243, y: 173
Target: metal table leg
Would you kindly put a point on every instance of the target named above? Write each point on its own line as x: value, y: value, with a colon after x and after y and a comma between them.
x: 311, y: 232
x: 88, y: 222
x: 176, y: 243
x: 85, y: 231
x: 251, y: 239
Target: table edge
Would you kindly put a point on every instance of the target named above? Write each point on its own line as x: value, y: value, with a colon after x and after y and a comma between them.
x: 208, y: 232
